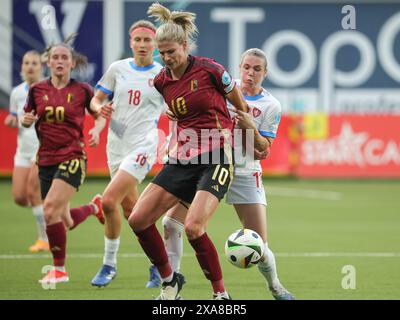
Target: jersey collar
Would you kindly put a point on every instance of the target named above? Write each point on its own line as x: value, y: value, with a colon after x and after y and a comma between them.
x: 134, y: 66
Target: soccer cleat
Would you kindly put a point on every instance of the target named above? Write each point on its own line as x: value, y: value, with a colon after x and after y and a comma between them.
x: 221, y: 296
x: 170, y: 290
x: 55, y: 276
x: 96, y: 201
x: 280, y: 293
x: 39, y: 245
x: 105, y: 275
x: 155, y: 278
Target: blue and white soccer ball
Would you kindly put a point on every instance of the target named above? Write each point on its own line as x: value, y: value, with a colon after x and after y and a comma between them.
x: 244, y: 248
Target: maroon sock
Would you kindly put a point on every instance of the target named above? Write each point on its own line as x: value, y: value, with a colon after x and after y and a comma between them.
x: 80, y: 214
x: 58, y: 241
x: 153, y: 245
x: 208, y: 259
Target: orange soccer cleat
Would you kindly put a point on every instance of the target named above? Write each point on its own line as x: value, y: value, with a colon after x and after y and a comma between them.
x: 55, y: 276
x: 39, y: 245
x: 96, y: 201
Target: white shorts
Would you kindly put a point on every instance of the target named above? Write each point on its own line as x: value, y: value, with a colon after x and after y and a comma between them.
x: 23, y: 160
x: 25, y: 156
x: 27, y: 147
x: 245, y: 189
x: 137, y: 164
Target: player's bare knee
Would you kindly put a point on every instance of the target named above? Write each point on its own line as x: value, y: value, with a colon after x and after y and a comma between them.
x: 21, y: 200
x: 138, y: 221
x: 109, y: 205
x: 193, y: 230
x: 49, y: 208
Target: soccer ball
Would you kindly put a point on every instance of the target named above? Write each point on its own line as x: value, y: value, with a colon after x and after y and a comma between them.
x: 244, y: 248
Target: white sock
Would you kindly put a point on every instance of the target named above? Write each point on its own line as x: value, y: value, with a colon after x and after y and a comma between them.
x: 173, y: 241
x: 40, y: 222
x: 111, y: 247
x: 268, y: 268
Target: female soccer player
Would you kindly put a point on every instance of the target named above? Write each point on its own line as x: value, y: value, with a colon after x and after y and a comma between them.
x: 132, y: 136
x: 25, y: 181
x: 195, y: 89
x: 57, y: 106
x: 246, y: 192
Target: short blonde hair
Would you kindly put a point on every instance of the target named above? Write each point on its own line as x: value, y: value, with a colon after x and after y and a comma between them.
x: 175, y: 26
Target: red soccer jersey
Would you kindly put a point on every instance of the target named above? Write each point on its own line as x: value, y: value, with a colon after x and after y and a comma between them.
x: 198, y: 101
x: 61, y: 113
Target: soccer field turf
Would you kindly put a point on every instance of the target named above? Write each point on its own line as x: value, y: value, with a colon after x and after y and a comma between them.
x: 315, y: 229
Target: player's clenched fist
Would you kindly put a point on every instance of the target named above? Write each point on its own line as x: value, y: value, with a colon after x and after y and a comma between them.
x: 28, y: 118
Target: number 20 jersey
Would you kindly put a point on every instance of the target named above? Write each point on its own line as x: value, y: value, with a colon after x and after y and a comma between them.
x: 61, y: 115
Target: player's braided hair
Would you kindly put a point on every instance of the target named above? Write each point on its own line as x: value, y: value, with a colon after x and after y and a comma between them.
x: 79, y: 59
x: 175, y: 26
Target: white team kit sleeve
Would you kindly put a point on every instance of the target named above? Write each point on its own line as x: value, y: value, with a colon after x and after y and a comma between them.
x: 270, y: 122
x: 13, y: 102
x: 107, y: 81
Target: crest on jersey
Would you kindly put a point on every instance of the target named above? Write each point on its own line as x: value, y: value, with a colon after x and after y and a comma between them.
x: 45, y: 98
x: 226, y: 78
x: 70, y: 97
x: 193, y: 85
x: 151, y: 82
x: 256, y: 112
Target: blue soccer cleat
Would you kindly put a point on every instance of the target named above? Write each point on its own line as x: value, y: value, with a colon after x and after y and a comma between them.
x: 280, y: 293
x: 155, y: 278
x: 104, y: 276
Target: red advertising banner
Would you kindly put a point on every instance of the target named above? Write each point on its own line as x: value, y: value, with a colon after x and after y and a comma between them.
x: 350, y: 146
x: 276, y: 164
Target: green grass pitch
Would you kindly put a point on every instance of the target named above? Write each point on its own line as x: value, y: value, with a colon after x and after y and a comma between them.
x: 315, y: 228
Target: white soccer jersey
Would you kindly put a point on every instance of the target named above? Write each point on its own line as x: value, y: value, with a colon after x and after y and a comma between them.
x: 137, y: 104
x: 27, y: 143
x: 266, y: 112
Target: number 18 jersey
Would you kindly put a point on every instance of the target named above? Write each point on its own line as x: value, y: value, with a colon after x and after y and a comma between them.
x: 137, y: 106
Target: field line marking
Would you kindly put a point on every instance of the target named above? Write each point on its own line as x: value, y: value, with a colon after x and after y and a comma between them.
x: 186, y: 255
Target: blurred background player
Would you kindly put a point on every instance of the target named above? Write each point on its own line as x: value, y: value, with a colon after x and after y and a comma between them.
x: 195, y: 89
x: 57, y: 107
x: 132, y: 136
x: 25, y: 180
x: 246, y: 192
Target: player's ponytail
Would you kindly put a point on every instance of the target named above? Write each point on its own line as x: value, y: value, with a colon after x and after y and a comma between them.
x: 176, y: 26
x: 80, y: 60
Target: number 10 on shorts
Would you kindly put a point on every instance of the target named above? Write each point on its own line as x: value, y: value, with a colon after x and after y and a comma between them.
x: 221, y: 173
